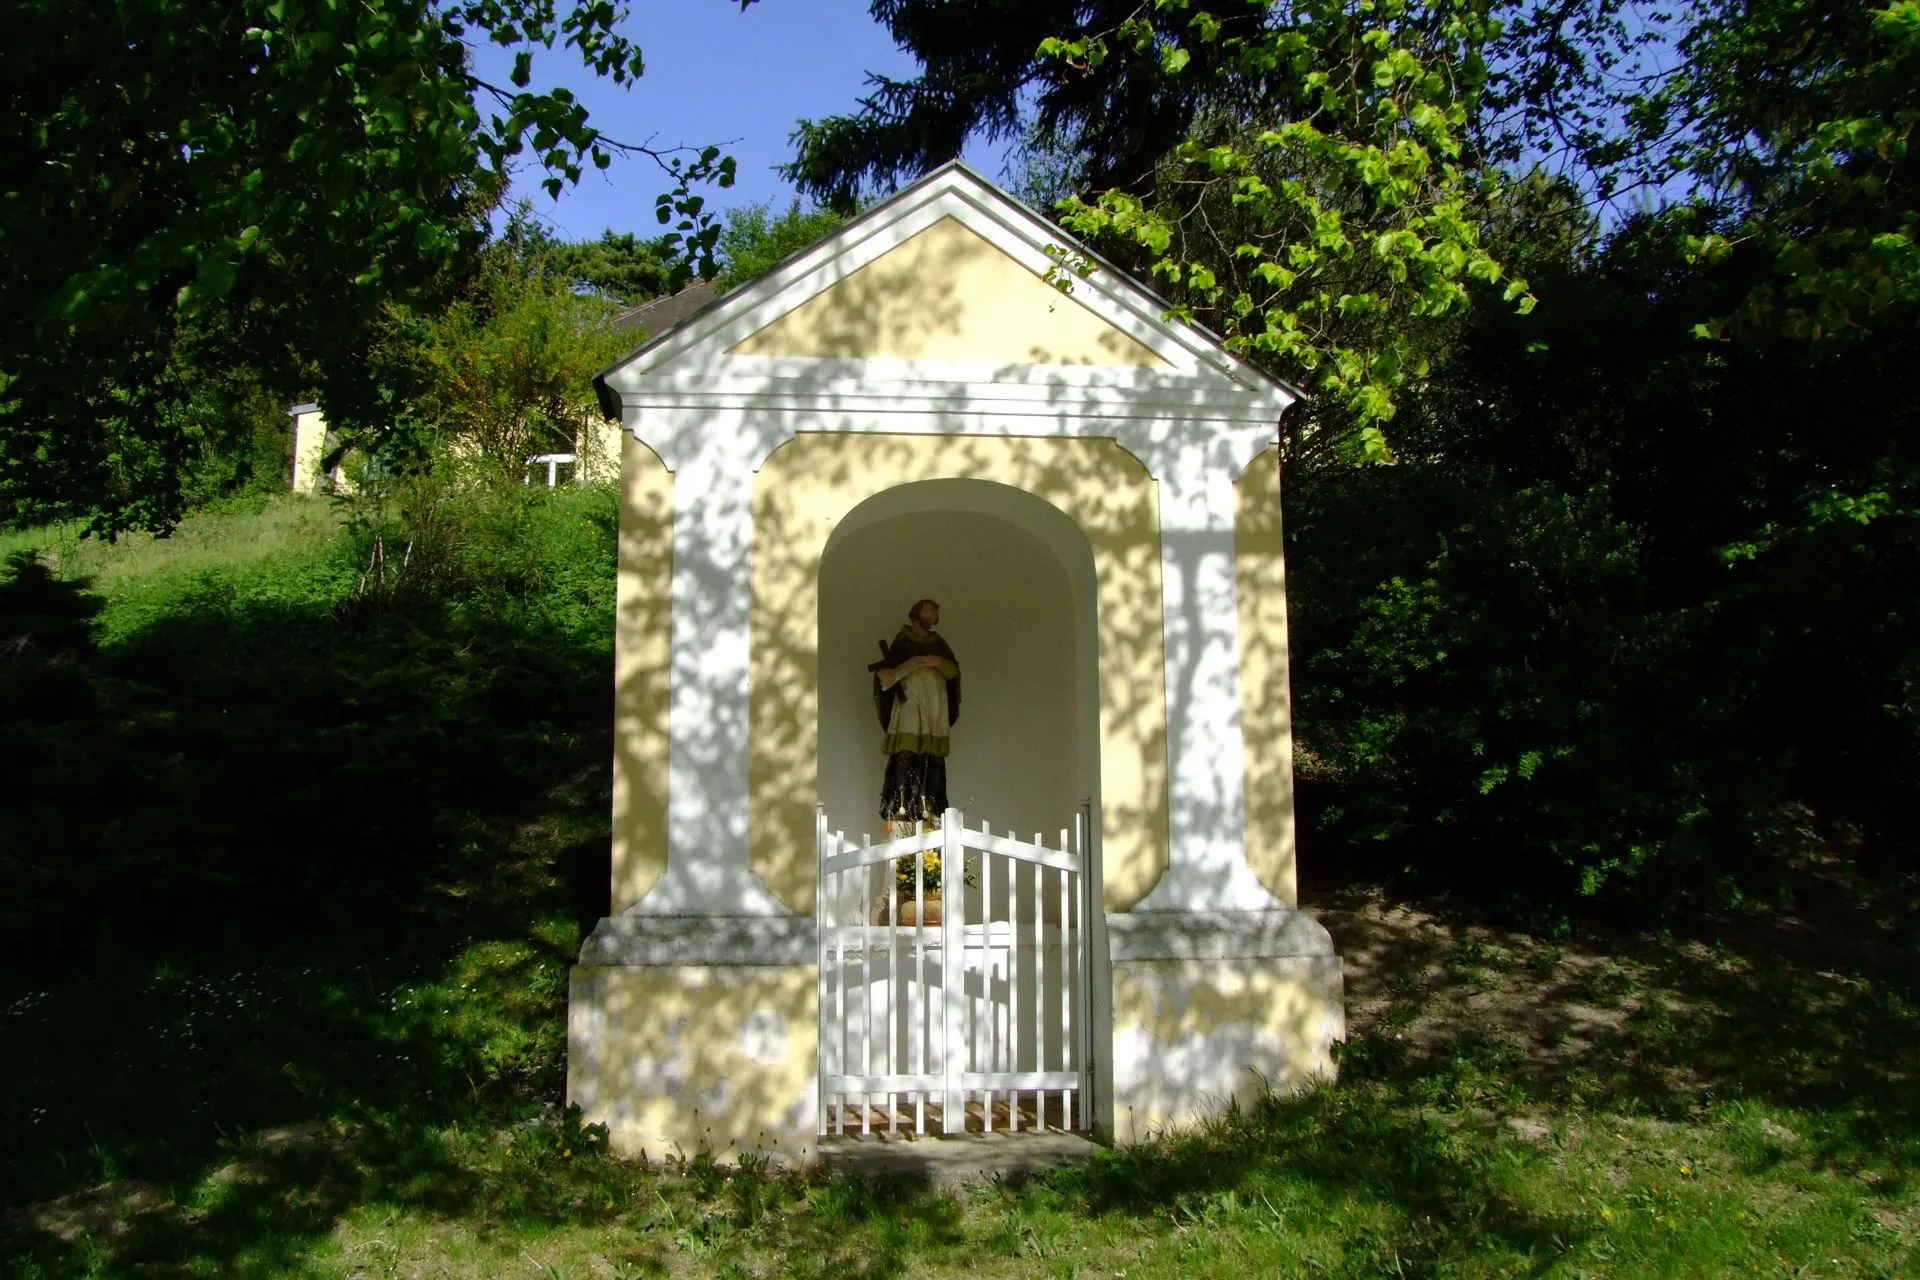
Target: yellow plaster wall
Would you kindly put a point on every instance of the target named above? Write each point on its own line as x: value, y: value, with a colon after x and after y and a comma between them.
x: 309, y: 446
x: 815, y: 480
x: 642, y: 633
x: 1189, y: 1034
x: 703, y: 1057
x: 946, y: 293
x: 598, y: 453
x: 1265, y: 701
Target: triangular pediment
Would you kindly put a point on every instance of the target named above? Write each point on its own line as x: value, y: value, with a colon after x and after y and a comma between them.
x: 948, y: 293
x: 949, y: 284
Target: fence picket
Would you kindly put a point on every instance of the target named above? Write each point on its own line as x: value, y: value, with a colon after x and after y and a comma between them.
x: 953, y: 857
x: 988, y: 1009
x: 1014, y: 1002
x: 866, y: 989
x: 894, y: 980
x: 918, y: 1025
x: 820, y: 953
x: 1062, y: 977
x: 839, y: 994
x: 1083, y: 960
x: 1039, y: 984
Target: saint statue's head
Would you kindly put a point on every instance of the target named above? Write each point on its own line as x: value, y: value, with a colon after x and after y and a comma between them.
x: 925, y: 614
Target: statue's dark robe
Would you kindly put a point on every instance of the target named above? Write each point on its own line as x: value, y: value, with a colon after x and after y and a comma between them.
x: 915, y: 742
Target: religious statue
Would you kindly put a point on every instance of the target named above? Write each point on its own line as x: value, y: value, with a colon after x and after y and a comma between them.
x: 917, y: 691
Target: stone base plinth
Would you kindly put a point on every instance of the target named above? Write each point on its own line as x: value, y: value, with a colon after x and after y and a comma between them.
x: 691, y: 1034
x: 1216, y: 1006
x: 692, y: 1058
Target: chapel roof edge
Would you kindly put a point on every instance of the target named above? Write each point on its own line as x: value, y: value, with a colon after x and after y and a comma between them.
x: 898, y: 204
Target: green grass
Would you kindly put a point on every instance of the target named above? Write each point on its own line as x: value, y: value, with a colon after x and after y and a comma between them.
x: 290, y: 882
x: 254, y: 539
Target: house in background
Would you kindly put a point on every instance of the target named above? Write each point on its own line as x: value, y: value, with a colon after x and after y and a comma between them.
x: 310, y: 450
x: 589, y: 462
x: 596, y: 464
x: 657, y: 315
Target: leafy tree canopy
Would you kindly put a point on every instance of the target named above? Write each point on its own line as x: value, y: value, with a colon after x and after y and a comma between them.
x: 980, y: 58
x: 1302, y: 174
x: 297, y: 162
x: 753, y: 239
x: 503, y: 371
x: 1316, y: 177
x: 619, y: 267
x: 1779, y: 130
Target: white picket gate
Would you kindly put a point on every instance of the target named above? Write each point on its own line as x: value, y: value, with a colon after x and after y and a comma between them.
x: 980, y: 1022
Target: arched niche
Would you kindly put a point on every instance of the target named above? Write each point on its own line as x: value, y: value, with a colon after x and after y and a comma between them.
x: 1015, y: 580
x: 1085, y: 498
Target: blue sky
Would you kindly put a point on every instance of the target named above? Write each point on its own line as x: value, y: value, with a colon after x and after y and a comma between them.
x: 717, y: 75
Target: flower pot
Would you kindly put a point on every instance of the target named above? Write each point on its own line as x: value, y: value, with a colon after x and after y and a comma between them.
x: 909, y: 910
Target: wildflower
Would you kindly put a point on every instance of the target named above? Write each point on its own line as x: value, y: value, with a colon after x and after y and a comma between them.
x: 1607, y: 1214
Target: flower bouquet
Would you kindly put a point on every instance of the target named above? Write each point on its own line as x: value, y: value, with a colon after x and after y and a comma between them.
x: 931, y: 873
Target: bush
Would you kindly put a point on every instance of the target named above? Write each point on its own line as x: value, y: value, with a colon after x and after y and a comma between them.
x: 270, y: 836
x: 1486, y: 696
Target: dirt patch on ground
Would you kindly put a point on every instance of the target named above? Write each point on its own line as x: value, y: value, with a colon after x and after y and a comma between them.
x: 106, y: 1212
x: 1813, y: 1005
x: 1426, y: 981
x: 111, y: 1211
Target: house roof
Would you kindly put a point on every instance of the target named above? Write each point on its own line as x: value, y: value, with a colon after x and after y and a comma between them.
x: 657, y: 315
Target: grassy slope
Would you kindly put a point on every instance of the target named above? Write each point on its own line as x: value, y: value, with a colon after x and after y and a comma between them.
x: 253, y: 540
x: 290, y: 888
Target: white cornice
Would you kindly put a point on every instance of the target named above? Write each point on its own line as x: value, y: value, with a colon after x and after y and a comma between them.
x: 918, y: 400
